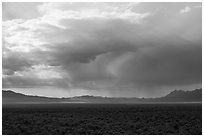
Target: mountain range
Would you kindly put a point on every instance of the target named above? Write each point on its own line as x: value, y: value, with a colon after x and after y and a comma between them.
x: 11, y: 97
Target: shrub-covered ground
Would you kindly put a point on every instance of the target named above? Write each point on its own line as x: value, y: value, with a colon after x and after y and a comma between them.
x: 106, y: 119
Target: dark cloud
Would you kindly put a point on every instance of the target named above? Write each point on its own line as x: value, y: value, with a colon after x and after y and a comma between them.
x: 148, y: 69
x: 141, y: 56
x: 164, y: 66
x: 15, y: 62
x: 95, y: 70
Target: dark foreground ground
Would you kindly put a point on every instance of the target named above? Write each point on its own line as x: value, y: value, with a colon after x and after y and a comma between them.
x: 102, y: 119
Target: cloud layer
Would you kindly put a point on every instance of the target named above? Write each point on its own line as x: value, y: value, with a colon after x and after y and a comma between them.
x: 123, y: 49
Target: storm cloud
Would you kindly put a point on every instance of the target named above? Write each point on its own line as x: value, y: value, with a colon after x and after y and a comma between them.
x: 122, y: 49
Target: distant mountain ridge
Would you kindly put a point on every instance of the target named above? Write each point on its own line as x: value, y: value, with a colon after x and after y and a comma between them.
x: 184, y: 96
x: 9, y: 97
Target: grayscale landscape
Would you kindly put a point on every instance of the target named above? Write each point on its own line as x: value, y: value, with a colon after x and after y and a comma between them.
x: 102, y: 68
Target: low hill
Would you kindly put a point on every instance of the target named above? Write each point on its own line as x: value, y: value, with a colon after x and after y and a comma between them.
x: 10, y: 97
x: 184, y: 96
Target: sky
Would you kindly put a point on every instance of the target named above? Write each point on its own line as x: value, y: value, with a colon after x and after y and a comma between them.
x: 106, y: 49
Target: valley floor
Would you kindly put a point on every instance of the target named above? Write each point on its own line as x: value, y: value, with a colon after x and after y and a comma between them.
x: 105, y: 119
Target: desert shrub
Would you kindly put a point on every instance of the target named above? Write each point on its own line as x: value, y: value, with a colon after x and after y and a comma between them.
x: 105, y: 120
